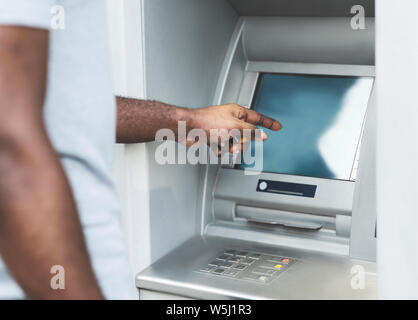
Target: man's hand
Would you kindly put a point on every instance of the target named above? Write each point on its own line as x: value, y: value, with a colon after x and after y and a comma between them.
x: 140, y: 120
x: 229, y: 117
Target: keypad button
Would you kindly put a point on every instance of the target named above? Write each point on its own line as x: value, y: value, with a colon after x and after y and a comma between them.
x: 275, y: 259
x: 207, y: 269
x: 219, y: 271
x: 252, y: 276
x: 264, y: 271
x: 247, y: 261
x: 258, y: 278
x: 254, y: 255
x: 239, y: 266
x: 223, y: 257
x: 227, y: 264
x: 231, y: 273
x: 241, y: 254
x: 271, y: 265
x: 229, y: 252
x: 234, y: 259
x: 263, y: 278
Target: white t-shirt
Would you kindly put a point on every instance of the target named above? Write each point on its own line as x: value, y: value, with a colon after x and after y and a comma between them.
x: 80, y: 116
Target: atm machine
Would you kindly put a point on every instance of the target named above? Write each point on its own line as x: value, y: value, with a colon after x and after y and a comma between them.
x: 305, y: 227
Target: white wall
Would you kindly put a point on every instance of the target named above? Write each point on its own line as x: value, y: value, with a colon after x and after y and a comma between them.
x: 130, y: 169
x: 186, y: 42
x: 397, y: 147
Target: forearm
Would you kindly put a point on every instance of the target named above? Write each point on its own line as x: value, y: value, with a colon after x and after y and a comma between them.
x: 139, y: 120
x: 39, y: 225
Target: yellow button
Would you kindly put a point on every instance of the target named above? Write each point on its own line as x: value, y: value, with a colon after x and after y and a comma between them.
x: 278, y: 266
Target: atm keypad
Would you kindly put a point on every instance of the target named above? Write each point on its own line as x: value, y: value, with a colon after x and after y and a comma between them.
x: 258, y: 267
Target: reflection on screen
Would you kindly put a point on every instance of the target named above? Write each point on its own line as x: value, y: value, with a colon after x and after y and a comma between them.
x: 322, y: 118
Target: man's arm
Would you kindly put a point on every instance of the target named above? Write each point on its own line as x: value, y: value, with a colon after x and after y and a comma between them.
x: 139, y: 120
x: 39, y: 224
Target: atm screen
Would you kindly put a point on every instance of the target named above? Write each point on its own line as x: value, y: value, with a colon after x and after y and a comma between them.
x: 322, y: 118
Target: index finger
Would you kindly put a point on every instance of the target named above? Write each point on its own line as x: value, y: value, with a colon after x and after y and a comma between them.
x: 259, y: 119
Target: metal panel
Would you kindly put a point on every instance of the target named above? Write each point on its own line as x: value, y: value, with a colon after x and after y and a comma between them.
x: 286, y: 218
x: 301, y: 8
x: 322, y: 240
x: 363, y: 228
x: 332, y: 196
x: 308, y: 40
x: 311, y: 68
x: 314, y: 276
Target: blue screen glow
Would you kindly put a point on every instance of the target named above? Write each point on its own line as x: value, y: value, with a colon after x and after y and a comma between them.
x: 322, y: 118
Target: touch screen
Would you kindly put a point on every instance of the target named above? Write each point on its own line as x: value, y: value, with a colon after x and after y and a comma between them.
x: 322, y: 118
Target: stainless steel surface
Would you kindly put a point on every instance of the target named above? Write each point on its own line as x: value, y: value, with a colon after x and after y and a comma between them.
x: 301, y: 8
x: 322, y: 240
x: 332, y: 196
x: 308, y: 40
x: 364, y: 216
x: 155, y: 295
x: 314, y: 276
x: 286, y: 218
x: 312, y: 68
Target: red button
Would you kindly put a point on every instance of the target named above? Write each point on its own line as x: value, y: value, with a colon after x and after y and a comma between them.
x: 285, y: 260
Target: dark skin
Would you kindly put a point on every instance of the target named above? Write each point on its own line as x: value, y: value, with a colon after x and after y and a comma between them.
x: 39, y: 223
x: 134, y: 125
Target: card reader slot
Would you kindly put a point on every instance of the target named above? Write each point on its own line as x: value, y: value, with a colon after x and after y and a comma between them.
x: 285, y: 218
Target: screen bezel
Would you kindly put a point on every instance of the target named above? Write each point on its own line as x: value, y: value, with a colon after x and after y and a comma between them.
x: 251, y: 81
x: 332, y: 196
